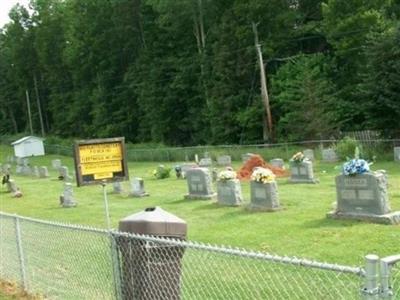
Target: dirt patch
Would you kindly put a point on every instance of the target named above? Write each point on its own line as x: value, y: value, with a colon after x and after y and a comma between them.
x: 13, y: 291
x: 257, y: 161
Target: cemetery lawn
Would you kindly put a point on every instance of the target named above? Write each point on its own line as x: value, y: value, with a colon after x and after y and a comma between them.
x: 300, y: 229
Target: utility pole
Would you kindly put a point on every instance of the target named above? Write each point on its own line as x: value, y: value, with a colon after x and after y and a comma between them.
x: 267, y: 132
x: 29, y: 111
x: 38, y: 105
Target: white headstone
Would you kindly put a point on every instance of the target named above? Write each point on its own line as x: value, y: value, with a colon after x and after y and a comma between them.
x: 67, y: 197
x: 137, y: 188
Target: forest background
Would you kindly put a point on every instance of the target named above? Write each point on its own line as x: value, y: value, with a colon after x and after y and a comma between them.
x: 186, y: 72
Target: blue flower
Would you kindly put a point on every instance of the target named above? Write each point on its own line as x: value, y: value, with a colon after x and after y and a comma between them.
x: 355, y: 166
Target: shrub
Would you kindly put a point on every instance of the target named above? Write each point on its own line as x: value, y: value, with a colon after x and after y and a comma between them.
x: 345, y: 148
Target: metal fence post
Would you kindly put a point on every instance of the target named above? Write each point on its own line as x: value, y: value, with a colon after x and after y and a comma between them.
x: 386, y: 264
x: 21, y: 257
x: 371, y: 285
x: 116, y: 266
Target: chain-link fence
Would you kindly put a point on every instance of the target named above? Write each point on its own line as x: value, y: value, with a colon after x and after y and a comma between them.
x: 71, y: 262
x: 381, y: 149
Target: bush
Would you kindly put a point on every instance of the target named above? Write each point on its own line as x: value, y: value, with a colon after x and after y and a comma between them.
x: 162, y: 172
x: 346, y: 147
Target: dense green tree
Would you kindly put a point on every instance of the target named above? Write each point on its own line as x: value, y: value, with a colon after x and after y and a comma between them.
x: 186, y: 72
x: 305, y: 98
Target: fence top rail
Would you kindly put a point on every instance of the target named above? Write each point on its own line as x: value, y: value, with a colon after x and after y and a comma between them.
x: 201, y: 246
x: 264, y: 145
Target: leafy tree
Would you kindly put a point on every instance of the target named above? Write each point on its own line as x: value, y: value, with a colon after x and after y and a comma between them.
x: 305, y: 98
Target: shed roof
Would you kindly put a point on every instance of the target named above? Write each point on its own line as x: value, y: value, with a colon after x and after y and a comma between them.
x: 25, y: 139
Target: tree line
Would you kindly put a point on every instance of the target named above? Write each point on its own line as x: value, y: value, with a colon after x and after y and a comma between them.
x: 186, y: 72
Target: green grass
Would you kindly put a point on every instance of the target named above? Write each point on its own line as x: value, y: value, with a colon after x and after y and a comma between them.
x: 300, y: 229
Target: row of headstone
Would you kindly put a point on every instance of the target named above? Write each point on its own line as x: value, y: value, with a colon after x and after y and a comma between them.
x: 136, y: 188
x: 263, y: 196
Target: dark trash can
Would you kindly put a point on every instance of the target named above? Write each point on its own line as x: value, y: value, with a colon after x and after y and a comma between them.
x: 151, y: 270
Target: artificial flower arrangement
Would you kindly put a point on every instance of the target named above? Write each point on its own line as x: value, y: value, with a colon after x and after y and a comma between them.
x: 356, y: 165
x: 226, y: 175
x: 298, y: 157
x: 262, y: 175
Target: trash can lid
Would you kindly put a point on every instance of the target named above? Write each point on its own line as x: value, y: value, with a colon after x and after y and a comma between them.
x: 154, y: 221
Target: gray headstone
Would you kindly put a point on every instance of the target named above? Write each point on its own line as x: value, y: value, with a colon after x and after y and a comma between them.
x: 246, y: 157
x: 12, y: 186
x: 26, y: 169
x: 117, y: 187
x: 36, y: 171
x: 329, y: 155
x: 364, y: 197
x: 396, y: 151
x: 229, y: 192
x: 56, y: 164
x: 43, y: 172
x: 137, y: 188
x: 19, y: 169
x: 302, y: 172
x: 224, y: 160
x: 205, y: 162
x: 199, y: 183
x: 362, y: 193
x: 64, y: 173
x: 6, y: 169
x: 264, y: 196
x: 67, y: 197
x: 10, y: 159
x: 309, y: 154
x: 186, y: 167
x: 25, y: 162
x: 277, y: 162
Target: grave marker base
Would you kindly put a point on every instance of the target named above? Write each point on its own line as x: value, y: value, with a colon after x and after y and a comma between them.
x: 255, y: 207
x: 390, y: 218
x: 200, y: 197
x: 137, y: 195
x: 311, y: 181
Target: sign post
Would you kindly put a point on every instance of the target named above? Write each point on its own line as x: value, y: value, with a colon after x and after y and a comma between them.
x: 100, y: 161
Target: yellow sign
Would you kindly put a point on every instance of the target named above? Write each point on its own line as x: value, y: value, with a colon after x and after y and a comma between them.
x: 100, y: 152
x: 100, y: 160
x: 101, y: 167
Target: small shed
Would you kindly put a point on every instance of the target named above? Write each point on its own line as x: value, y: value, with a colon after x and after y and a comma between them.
x: 28, y: 146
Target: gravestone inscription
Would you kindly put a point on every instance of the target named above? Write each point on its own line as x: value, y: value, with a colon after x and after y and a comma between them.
x: 364, y: 197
